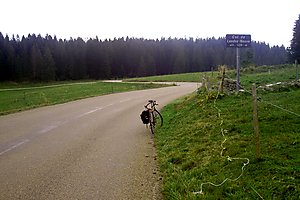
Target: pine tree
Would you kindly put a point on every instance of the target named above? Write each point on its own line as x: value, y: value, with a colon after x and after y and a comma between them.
x: 142, y: 67
x: 180, y: 60
x: 37, y: 61
x: 295, y: 43
x: 9, y: 55
x: 2, y: 58
x: 48, y: 71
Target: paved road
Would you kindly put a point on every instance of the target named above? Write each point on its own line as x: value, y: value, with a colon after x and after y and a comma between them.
x: 95, y: 148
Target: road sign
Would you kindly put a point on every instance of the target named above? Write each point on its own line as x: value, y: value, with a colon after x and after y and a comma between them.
x: 238, y: 40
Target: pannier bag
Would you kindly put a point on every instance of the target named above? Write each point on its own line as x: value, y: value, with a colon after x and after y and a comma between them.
x: 145, y: 116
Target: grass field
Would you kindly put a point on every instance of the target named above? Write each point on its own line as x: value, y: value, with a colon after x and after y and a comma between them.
x: 187, y: 77
x: 17, y: 97
x: 205, y: 141
x: 259, y: 75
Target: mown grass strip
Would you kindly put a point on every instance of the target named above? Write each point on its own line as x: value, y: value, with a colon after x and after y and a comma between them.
x: 186, y: 77
x: 259, y: 75
x: 22, y: 99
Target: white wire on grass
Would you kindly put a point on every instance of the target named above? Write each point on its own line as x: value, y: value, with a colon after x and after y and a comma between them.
x: 256, y: 192
x: 226, y: 179
x: 223, y: 148
x: 221, y: 153
x: 291, y: 112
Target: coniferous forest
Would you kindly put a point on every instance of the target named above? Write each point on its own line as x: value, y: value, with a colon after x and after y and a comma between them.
x: 37, y: 58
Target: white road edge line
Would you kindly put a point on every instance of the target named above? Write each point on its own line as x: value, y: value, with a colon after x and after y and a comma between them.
x: 122, y: 101
x: 95, y: 110
x: 50, y: 128
x: 14, y: 146
x: 47, y: 129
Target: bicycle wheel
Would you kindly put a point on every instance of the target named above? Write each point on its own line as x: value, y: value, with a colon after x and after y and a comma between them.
x: 156, y: 120
x: 152, y: 122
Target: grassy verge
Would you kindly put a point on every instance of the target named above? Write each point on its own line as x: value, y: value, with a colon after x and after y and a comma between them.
x: 189, y: 147
x: 36, y: 95
x: 259, y: 75
x: 187, y: 77
x: 190, y: 144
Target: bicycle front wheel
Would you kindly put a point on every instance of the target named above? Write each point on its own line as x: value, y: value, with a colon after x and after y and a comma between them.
x: 156, y: 120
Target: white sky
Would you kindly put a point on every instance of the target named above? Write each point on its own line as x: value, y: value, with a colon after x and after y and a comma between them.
x: 271, y: 21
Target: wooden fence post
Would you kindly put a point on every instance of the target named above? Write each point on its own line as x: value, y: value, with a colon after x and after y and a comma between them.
x: 208, y: 84
x: 255, y: 122
x: 222, y: 79
x: 203, y: 82
x: 297, y: 70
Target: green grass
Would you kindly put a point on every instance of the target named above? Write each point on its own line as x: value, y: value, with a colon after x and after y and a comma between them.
x: 259, y: 75
x: 186, y: 77
x: 265, y: 75
x: 37, y: 95
x: 14, y: 85
x: 189, y: 144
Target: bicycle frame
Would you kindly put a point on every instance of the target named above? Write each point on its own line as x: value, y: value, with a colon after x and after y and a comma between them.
x: 154, y: 114
x: 152, y: 104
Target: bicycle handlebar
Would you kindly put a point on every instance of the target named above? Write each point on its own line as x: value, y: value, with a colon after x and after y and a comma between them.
x: 152, y: 103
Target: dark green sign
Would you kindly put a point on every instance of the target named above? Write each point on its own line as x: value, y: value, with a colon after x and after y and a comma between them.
x: 238, y: 40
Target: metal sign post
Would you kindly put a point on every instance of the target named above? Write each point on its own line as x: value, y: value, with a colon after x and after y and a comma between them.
x: 237, y: 69
x: 238, y: 41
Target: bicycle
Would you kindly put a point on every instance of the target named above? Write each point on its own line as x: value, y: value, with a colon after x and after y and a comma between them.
x: 155, y: 118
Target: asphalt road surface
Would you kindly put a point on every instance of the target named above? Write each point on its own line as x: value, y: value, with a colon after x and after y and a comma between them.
x: 95, y: 148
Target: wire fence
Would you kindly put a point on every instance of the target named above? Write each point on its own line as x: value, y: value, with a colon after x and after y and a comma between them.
x: 223, y: 131
x: 259, y: 98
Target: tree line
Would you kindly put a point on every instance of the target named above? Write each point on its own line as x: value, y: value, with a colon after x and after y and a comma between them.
x: 37, y: 58
x: 294, y: 49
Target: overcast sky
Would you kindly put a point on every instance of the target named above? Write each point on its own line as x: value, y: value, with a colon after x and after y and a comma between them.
x: 271, y: 21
